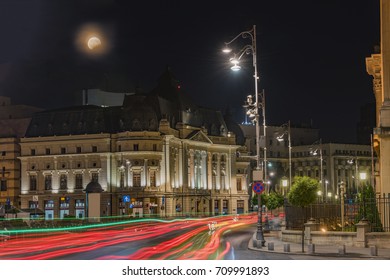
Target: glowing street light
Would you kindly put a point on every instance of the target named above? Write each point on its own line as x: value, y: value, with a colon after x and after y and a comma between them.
x: 252, y: 108
x: 280, y: 138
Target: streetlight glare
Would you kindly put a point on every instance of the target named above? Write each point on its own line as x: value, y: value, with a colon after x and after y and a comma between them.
x: 236, y: 67
x: 234, y: 60
x: 226, y: 50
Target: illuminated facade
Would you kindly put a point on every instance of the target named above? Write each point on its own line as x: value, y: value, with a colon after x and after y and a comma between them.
x: 14, y: 120
x: 340, y: 161
x: 158, y: 154
x: 378, y: 65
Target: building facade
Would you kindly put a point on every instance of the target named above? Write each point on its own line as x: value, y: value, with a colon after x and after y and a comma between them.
x: 158, y: 154
x: 329, y: 163
x: 378, y: 65
x: 14, y: 120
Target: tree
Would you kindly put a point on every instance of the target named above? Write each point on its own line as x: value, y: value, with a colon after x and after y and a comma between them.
x: 275, y: 200
x: 271, y: 200
x: 303, y: 193
x: 368, y: 208
x: 264, y: 199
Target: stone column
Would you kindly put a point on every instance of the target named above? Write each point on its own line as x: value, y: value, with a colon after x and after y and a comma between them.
x: 362, y: 228
x: 310, y: 226
x: 212, y: 210
x: 385, y: 109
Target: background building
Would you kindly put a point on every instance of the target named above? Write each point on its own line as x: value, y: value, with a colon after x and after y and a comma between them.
x: 330, y: 163
x: 157, y: 154
x: 14, y: 120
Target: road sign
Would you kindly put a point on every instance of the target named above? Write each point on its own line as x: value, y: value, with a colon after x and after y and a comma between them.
x: 126, y: 198
x: 258, y: 187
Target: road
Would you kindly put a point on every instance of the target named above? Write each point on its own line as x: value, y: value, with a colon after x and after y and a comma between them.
x: 215, y: 238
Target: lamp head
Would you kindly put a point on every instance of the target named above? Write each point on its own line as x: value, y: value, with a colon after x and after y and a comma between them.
x: 234, y: 60
x: 236, y: 67
x: 226, y: 49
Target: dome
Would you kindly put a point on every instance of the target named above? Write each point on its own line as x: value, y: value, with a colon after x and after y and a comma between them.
x: 93, y: 187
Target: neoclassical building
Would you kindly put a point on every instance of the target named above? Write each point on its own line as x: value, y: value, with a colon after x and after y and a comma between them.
x: 157, y: 154
x: 378, y: 65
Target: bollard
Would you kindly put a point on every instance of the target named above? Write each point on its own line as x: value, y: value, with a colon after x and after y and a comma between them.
x: 311, y: 248
x: 342, y: 250
x: 270, y: 246
x: 374, y: 250
x: 286, y: 248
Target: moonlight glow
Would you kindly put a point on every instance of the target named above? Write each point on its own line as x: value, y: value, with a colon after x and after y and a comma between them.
x: 93, y: 40
x: 93, y: 43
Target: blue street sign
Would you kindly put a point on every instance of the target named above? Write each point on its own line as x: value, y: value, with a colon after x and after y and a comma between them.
x: 8, y: 201
x: 163, y: 200
x: 126, y: 198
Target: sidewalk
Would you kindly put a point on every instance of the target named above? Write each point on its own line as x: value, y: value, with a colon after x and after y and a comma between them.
x: 324, y: 251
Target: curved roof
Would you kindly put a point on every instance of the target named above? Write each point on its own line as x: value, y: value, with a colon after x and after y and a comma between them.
x: 93, y: 187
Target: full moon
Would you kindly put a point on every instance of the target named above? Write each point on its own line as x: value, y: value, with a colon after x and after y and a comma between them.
x: 93, y: 43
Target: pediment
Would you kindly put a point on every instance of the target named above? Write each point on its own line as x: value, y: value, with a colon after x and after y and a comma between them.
x: 199, y: 136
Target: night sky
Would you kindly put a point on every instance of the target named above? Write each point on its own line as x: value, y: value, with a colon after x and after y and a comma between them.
x: 311, y: 54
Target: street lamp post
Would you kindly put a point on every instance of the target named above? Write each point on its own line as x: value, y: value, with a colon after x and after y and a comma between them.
x: 355, y: 161
x: 253, y: 112
x: 281, y: 138
x: 314, y: 152
x: 342, y: 189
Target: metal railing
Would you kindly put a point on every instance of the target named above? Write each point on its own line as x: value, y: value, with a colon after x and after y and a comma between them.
x: 376, y: 210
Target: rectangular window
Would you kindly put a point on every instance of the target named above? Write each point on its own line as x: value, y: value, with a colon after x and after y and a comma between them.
x: 94, y: 149
x: 63, y: 182
x: 49, y: 204
x: 78, y: 150
x: 32, y: 152
x: 48, y: 180
x: 47, y: 151
x: 3, y: 153
x: 95, y: 177
x: 64, y: 202
x: 122, y: 180
x: 239, y: 186
x: 135, y: 147
x: 214, y: 182
x: 80, y: 203
x: 154, y: 147
x: 119, y: 148
x: 152, y: 178
x: 240, y: 204
x: 33, y: 182
x: 79, y: 181
x: 137, y: 179
x: 33, y: 204
x: 63, y: 150
x: 222, y: 181
x: 317, y: 173
x: 3, y: 185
